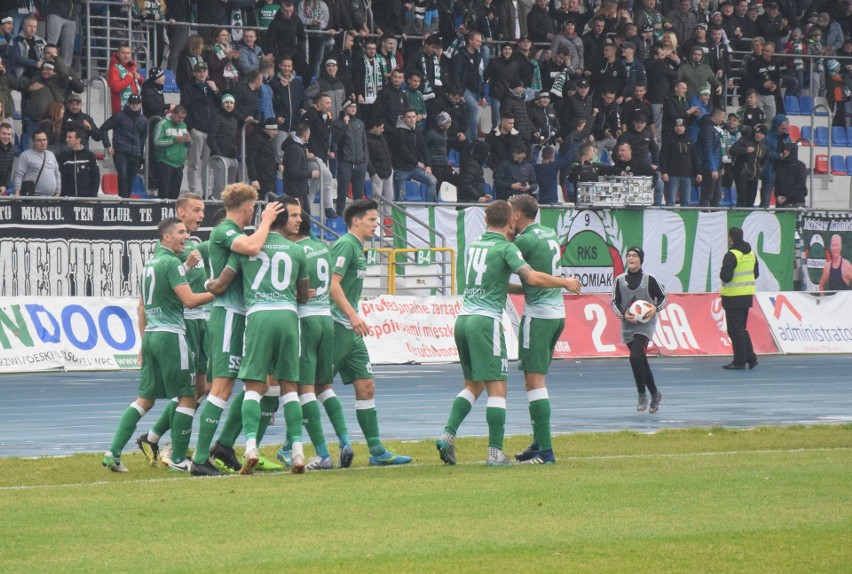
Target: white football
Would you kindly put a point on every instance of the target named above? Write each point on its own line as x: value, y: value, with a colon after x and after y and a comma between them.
x: 641, y: 311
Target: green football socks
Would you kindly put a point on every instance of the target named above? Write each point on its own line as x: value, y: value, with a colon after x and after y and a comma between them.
x: 126, y: 428
x: 495, y: 416
x: 461, y: 408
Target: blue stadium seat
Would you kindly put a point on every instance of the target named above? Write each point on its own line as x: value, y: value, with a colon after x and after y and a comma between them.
x: 821, y: 136
x: 337, y: 224
x: 604, y: 159
x: 695, y: 196
x: 807, y: 105
x: 279, y: 187
x: 791, y: 105
x: 138, y: 190
x: 170, y: 87
x: 838, y: 165
x: 414, y: 191
x: 486, y: 187
x: 144, y: 73
x: 729, y: 198
x: 368, y: 189
x: 453, y: 158
x: 838, y: 137
x: 807, y: 135
x: 849, y: 164
x: 849, y: 135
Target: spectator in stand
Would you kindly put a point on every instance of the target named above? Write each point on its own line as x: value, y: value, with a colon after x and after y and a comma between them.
x: 51, y: 124
x: 391, y: 101
x: 677, y: 107
x: 201, y: 99
x: 190, y: 56
x: 606, y: 127
x: 414, y: 98
x: 834, y: 93
x: 153, y: 100
x: 796, y: 46
x: 78, y: 167
x: 286, y: 37
x: 771, y: 25
x: 262, y: 165
x: 545, y: 125
x: 130, y: 130
x: 514, y: 104
x: 429, y: 66
x: 288, y: 95
x: 379, y: 166
x: 547, y: 175
x: 297, y: 172
x: 698, y: 74
x: 766, y: 75
x: 776, y: 137
x: 435, y: 138
x: 37, y: 172
x: 610, y: 72
x: 330, y: 84
x: 177, y: 11
x: 579, y: 106
x: 367, y: 76
x: 676, y: 167
x: 247, y: 97
x: 636, y: 105
x: 635, y: 69
x: 540, y: 26
x: 471, y: 188
x: 61, y: 28
x: 251, y: 55
x: 556, y: 72
x: 350, y: 144
x: 222, y: 139
x: 122, y: 77
x: 387, y: 16
x: 314, y: 16
x: 661, y: 78
x: 641, y: 140
x: 529, y: 68
x: 319, y: 118
x: 593, y: 45
x: 569, y: 40
x: 833, y: 33
x: 7, y: 40
x: 451, y: 102
x: 682, y: 21
x: 750, y: 114
x: 647, y: 16
x: 7, y: 157
x: 466, y: 65
x: 410, y: 157
x: 502, y: 140
x: 346, y: 59
x: 586, y: 169
x: 628, y: 164
x: 513, y: 20
x: 49, y: 87
x: 708, y: 152
x: 515, y: 175
x: 265, y: 95
x: 791, y: 183
x: 221, y: 59
x: 699, y: 38
x: 499, y: 72
x: 27, y: 51
x: 749, y: 155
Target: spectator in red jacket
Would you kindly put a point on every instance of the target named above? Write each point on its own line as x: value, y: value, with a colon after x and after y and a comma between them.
x: 122, y: 77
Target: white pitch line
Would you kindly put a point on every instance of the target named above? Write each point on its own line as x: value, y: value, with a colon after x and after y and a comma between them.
x: 474, y: 463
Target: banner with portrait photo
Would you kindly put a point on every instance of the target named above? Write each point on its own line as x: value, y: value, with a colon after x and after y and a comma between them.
x: 826, y: 251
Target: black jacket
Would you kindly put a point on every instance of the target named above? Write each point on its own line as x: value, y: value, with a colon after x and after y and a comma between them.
x: 572, y: 110
x: 471, y: 175
x: 498, y: 73
x: 675, y: 108
x: 500, y: 146
x: 7, y: 158
x: 514, y: 104
x: 286, y: 37
x: 660, y: 77
x: 380, y: 157
x: 201, y: 103
x: 76, y: 120
x: 246, y: 102
x: 457, y: 114
x: 543, y: 120
x: 350, y: 141
x: 153, y: 100
x: 676, y: 156
x: 746, y: 165
x: 261, y: 157
x: 642, y: 143
x: 408, y: 148
x: 726, y: 274
x: 223, y: 135
x: 389, y: 105
x: 791, y: 177
x: 129, y: 132
x: 296, y: 171
x: 79, y: 172
x: 320, y: 132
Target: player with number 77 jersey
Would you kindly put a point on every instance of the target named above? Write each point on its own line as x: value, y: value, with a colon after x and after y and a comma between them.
x: 490, y: 260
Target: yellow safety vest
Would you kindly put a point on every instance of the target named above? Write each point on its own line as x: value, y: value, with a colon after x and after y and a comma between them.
x: 743, y: 281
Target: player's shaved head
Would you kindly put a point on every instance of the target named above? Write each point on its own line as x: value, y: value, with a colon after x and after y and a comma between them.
x: 498, y: 214
x: 524, y: 204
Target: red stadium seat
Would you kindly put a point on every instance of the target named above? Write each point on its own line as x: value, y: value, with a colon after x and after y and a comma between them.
x: 795, y: 133
x: 821, y: 164
x: 109, y: 184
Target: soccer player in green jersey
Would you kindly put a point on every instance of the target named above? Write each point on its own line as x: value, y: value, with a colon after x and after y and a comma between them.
x: 275, y: 282
x: 490, y: 260
x: 351, y: 359
x: 189, y: 208
x: 165, y: 357
x: 227, y: 319
x: 542, y: 322
x: 317, y: 339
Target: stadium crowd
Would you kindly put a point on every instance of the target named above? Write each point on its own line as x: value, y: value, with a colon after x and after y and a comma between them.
x: 333, y: 93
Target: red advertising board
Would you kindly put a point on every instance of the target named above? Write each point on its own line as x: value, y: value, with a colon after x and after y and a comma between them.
x: 691, y: 324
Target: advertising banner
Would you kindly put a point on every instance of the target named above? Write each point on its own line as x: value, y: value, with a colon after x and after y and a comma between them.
x: 61, y: 248
x: 809, y: 322
x: 826, y: 251
x: 68, y: 333
x: 691, y: 324
x: 406, y: 329
x: 683, y: 249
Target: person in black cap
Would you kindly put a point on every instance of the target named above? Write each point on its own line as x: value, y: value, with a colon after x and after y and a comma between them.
x: 153, y: 100
x: 676, y: 167
x: 542, y: 117
x: 130, y: 131
x: 499, y: 72
x: 75, y: 117
x: 748, y: 155
x: 641, y: 139
x: 772, y: 25
x: 262, y: 165
x: 515, y: 175
x: 575, y: 107
x: 202, y: 100
x: 634, y: 68
x: 631, y: 286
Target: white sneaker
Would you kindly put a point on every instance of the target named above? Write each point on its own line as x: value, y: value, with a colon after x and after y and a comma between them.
x: 183, y: 466
x: 252, y: 456
x: 298, y: 458
x: 498, y: 459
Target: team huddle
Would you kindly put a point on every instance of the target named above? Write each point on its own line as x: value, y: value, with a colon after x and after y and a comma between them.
x: 279, y: 310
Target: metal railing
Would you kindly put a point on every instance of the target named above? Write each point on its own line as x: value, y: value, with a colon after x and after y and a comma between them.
x: 811, y: 146
x: 101, y: 81
x: 152, y: 121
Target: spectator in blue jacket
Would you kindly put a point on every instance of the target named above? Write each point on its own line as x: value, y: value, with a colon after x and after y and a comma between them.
x: 776, y: 137
x: 129, y: 134
x: 547, y: 174
x: 709, y: 156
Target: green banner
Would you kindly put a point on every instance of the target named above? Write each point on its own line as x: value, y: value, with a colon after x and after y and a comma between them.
x: 683, y: 249
x: 826, y: 251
